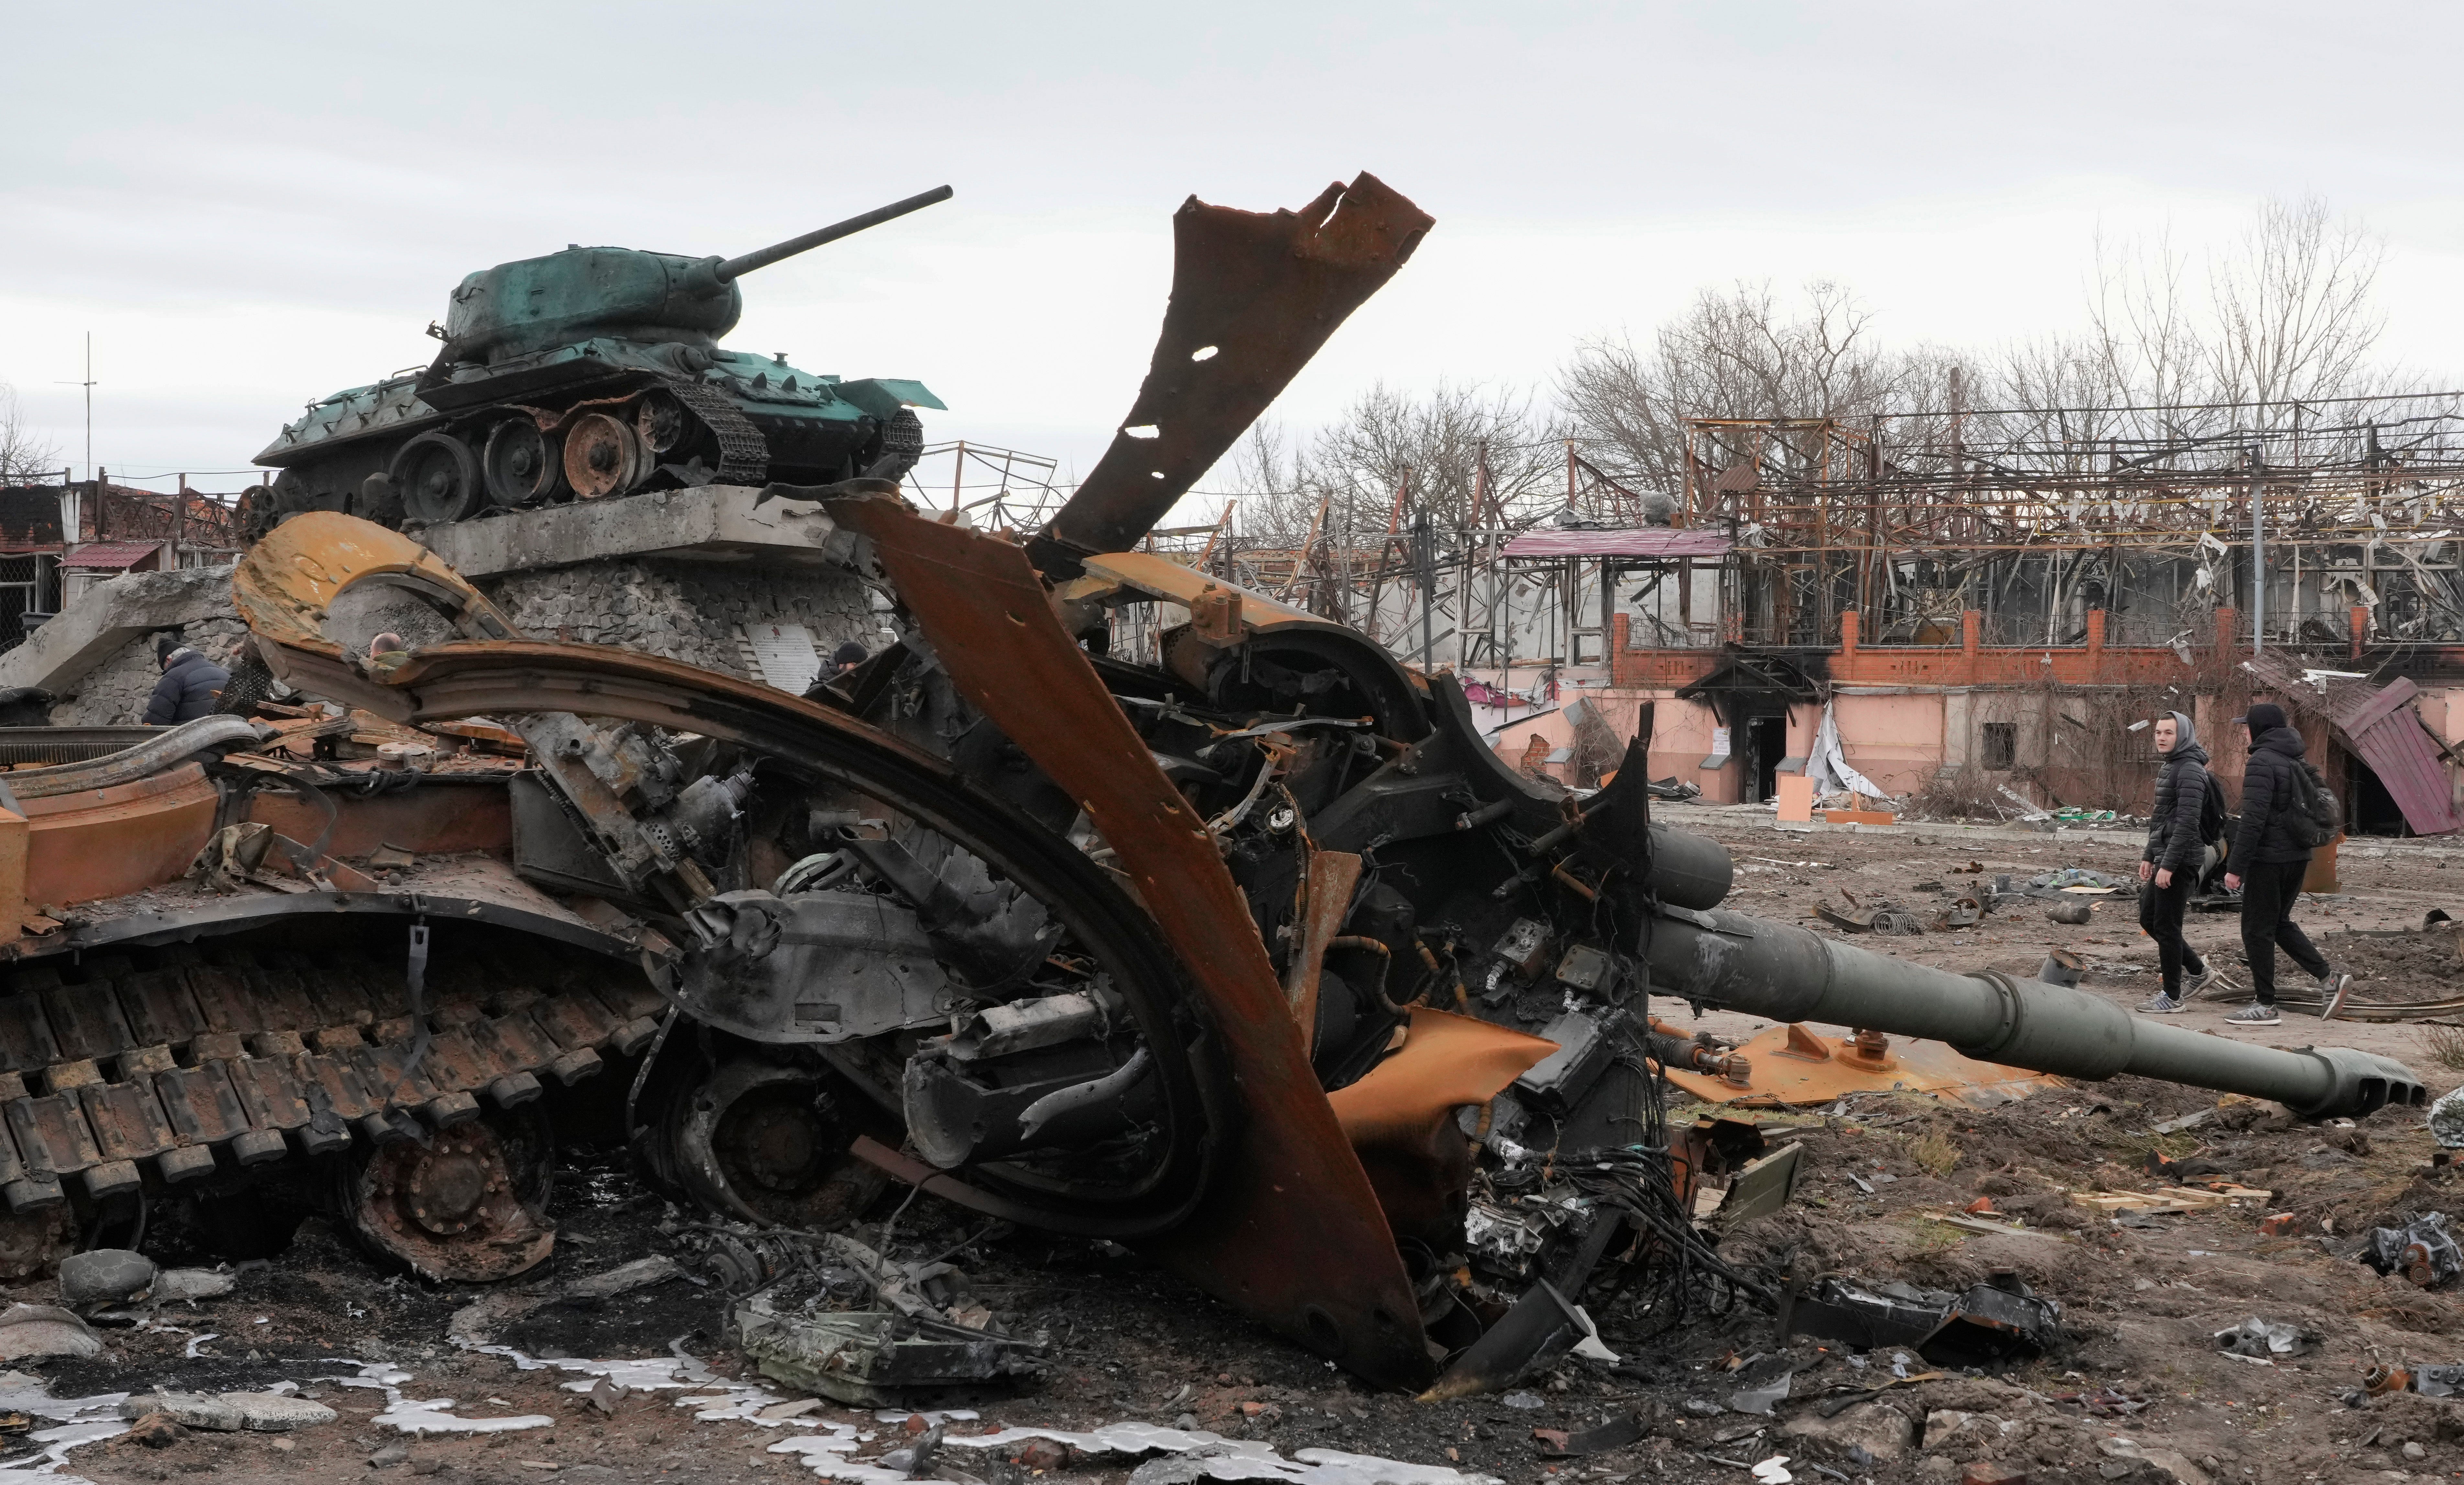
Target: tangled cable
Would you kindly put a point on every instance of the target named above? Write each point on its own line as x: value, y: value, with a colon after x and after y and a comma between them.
x: 1678, y: 1272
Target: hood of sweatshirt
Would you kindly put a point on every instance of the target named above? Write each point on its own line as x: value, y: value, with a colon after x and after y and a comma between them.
x: 2186, y: 740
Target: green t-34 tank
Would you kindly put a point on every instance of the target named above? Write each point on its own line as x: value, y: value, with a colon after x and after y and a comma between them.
x: 586, y: 374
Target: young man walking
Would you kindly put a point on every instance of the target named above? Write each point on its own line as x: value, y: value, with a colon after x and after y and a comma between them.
x: 2169, y: 865
x: 2266, y: 867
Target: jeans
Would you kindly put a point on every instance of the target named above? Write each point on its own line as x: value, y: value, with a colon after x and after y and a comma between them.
x: 2160, y: 913
x: 2268, y: 892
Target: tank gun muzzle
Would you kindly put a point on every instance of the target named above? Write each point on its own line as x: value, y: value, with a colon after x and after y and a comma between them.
x: 711, y: 274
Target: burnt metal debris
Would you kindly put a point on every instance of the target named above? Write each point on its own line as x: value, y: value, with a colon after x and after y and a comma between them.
x: 1257, y: 959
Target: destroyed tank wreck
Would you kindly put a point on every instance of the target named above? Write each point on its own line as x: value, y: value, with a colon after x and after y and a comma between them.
x: 588, y: 373
x: 1257, y: 959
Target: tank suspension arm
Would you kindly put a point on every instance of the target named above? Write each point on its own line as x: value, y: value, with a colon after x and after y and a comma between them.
x: 1785, y: 973
x: 726, y: 270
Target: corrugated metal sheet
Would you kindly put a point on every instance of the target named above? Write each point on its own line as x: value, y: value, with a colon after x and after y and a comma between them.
x: 2391, y: 737
x: 1632, y: 541
x: 2380, y: 725
x: 110, y: 554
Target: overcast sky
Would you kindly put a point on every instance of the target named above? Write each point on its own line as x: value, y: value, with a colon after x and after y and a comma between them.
x: 251, y: 207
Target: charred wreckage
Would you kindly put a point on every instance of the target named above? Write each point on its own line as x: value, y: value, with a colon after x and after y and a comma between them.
x: 1258, y: 959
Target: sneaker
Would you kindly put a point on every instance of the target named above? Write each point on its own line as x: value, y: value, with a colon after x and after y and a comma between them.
x: 2195, y: 985
x: 2333, y: 987
x: 2160, y: 1003
x: 2255, y: 1013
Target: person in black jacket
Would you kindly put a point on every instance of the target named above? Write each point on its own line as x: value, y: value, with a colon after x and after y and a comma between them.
x: 189, y: 688
x: 2169, y: 865
x: 2266, y: 867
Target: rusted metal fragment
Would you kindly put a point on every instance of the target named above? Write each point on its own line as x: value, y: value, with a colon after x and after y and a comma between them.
x: 1400, y: 1116
x: 159, y: 1007
x: 129, y: 1124
x: 52, y: 1131
x: 449, y: 1209
x: 88, y: 1024
x: 1289, y: 1231
x: 1332, y: 875
x: 267, y: 1090
x: 462, y: 679
x: 26, y: 1041
x: 287, y: 582
x: 1254, y: 295
x: 201, y: 1103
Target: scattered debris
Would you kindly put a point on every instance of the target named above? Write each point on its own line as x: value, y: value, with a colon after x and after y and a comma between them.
x: 104, y: 1276
x: 229, y: 1412
x: 796, y: 1333
x: 2423, y: 1251
x: 2259, y: 1340
x: 1763, y: 1382
x: 2447, y: 1121
x: 29, y: 1331
x: 1988, y: 1324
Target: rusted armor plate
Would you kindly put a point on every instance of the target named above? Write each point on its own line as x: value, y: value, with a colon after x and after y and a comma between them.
x: 1291, y: 1233
x: 1254, y: 295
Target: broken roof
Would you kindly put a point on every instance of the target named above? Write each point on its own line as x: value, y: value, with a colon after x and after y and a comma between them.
x: 1630, y: 542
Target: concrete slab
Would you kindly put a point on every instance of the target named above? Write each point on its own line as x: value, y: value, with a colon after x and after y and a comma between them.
x: 108, y: 616
x: 714, y: 524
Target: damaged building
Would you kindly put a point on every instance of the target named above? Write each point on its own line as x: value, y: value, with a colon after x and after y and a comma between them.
x: 1976, y: 614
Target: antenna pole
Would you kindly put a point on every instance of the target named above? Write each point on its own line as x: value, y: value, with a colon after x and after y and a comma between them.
x: 88, y: 384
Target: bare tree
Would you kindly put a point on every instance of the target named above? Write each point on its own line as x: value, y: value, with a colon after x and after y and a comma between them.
x: 1739, y: 354
x: 1392, y: 456
x: 25, y: 457
x: 2293, y: 312
x: 2284, y: 316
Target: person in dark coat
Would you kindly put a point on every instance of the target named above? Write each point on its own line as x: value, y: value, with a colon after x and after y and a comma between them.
x: 2266, y: 867
x: 189, y: 688
x: 2169, y: 865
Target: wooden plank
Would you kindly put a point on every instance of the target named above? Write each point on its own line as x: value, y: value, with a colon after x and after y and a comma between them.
x: 1967, y: 1224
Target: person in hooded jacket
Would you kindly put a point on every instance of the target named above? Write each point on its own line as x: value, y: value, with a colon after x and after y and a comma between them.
x: 189, y: 688
x: 2169, y: 865
x: 2266, y: 867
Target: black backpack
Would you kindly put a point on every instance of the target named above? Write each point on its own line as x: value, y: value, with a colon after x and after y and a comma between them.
x: 2211, y: 809
x: 2313, y: 816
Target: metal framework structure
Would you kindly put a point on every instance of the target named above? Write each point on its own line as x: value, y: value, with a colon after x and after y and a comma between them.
x: 2031, y: 519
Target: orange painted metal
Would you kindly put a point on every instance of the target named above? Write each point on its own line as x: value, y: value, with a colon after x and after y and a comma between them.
x: 285, y: 584
x: 109, y: 842
x: 1794, y: 1066
x: 1291, y: 1233
x: 14, y: 909
x: 1400, y: 1115
x: 434, y: 820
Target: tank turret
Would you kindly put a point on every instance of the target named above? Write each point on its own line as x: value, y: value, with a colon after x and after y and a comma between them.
x: 586, y: 373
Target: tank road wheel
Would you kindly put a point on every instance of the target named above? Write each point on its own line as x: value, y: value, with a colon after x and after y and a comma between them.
x: 602, y: 455
x: 768, y: 1144
x: 662, y: 422
x: 464, y: 1206
x: 521, y: 465
x: 438, y: 476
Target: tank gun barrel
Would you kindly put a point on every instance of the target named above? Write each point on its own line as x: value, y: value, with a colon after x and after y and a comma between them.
x: 726, y: 270
x: 1735, y: 962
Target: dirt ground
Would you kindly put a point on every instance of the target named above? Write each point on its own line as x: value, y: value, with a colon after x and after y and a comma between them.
x: 2138, y: 1390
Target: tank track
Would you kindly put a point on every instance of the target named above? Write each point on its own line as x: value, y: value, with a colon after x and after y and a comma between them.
x: 211, y: 1058
x: 743, y: 454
